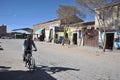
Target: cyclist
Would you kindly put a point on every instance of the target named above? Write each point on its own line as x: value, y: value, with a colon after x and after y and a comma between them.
x: 28, y: 44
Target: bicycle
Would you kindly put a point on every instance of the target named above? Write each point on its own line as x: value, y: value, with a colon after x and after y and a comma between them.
x: 29, y: 60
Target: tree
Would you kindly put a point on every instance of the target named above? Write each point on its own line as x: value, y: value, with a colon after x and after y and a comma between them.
x: 68, y: 14
x: 90, y: 6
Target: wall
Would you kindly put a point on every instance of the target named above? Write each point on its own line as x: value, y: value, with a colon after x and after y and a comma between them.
x: 90, y: 37
x: 47, y: 25
x: 108, y: 16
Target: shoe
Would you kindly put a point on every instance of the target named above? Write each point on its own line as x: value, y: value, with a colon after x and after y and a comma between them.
x: 23, y: 59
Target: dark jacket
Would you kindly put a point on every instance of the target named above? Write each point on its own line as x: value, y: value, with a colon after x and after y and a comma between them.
x: 28, y: 44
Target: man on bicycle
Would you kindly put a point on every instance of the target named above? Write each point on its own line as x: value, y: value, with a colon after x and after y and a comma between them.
x: 28, y: 43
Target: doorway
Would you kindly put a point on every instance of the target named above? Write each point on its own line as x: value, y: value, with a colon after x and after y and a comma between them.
x: 109, y: 40
x: 75, y: 38
x: 51, y: 35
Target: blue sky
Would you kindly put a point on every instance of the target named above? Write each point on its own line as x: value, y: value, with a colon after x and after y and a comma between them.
x: 25, y: 13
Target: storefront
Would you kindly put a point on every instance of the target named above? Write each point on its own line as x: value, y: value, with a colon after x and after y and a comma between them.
x: 40, y: 34
x: 112, y: 39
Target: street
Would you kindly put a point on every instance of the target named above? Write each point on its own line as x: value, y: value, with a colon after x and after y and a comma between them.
x: 57, y: 62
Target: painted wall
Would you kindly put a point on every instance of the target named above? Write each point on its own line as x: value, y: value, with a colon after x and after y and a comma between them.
x: 116, y: 43
x: 117, y: 39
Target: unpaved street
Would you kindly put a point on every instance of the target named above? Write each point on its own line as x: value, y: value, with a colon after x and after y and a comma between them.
x: 57, y: 62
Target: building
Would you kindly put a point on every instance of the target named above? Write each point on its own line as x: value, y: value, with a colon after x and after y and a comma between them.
x: 3, y: 30
x: 84, y: 34
x: 52, y: 30
x: 44, y: 29
x: 107, y: 20
x: 79, y: 33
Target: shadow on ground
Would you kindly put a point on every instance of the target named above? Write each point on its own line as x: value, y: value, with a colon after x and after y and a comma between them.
x: 39, y: 74
x: 1, y: 48
x: 54, y: 70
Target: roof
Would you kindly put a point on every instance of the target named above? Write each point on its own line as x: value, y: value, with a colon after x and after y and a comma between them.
x: 74, y: 19
x: 109, y: 5
x: 84, y: 23
x: 39, y: 30
x: 25, y: 29
x: 47, y: 21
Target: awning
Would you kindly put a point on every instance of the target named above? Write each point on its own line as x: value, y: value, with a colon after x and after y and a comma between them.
x: 29, y: 30
x: 39, y: 30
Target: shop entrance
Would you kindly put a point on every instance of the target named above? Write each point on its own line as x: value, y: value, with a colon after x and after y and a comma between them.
x: 109, y: 40
x: 75, y: 38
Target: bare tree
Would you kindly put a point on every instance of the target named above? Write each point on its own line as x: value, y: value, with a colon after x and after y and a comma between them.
x: 68, y: 14
x: 90, y: 6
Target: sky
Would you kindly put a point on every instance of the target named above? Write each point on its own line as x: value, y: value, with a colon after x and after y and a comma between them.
x: 17, y: 14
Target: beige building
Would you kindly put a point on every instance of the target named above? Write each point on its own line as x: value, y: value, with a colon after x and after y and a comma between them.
x: 79, y: 34
x: 108, y: 16
x: 107, y: 20
x: 38, y: 28
x: 51, y: 29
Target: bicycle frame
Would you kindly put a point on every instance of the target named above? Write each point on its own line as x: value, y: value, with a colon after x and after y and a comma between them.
x: 29, y: 60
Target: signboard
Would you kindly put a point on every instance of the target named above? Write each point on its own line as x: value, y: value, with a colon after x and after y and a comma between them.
x: 59, y: 29
x: 89, y: 27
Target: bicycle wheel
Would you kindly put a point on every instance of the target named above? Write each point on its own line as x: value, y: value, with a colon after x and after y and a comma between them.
x: 27, y: 57
x: 32, y: 61
x: 28, y: 60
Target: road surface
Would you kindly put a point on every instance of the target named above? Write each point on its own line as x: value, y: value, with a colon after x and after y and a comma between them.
x: 57, y: 62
